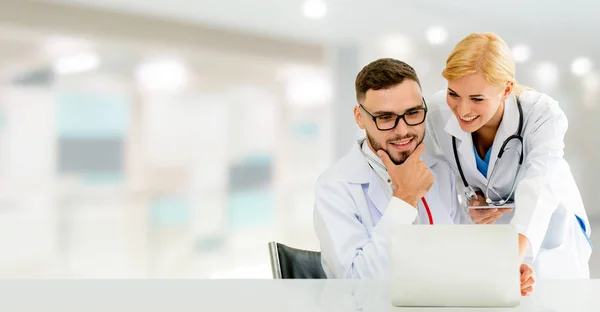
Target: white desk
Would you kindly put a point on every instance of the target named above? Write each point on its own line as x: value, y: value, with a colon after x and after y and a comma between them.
x: 256, y: 295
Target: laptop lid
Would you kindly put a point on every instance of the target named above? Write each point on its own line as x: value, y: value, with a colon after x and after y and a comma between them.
x: 454, y: 266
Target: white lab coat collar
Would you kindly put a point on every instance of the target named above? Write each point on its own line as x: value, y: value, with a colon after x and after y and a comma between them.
x: 354, y: 166
x: 379, y: 195
x: 464, y: 144
x: 375, y: 162
x: 356, y: 169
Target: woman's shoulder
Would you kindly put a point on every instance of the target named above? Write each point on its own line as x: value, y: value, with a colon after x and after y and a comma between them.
x: 543, y: 113
x: 539, y: 104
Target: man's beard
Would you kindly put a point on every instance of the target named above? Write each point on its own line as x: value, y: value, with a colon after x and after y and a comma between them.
x: 403, y: 155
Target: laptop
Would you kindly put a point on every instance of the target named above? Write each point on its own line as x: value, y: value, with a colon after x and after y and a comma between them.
x: 471, y: 265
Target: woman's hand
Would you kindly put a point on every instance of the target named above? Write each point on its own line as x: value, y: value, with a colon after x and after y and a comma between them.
x: 527, y: 279
x: 485, y: 215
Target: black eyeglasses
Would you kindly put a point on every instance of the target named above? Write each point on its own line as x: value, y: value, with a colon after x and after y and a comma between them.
x: 412, y: 117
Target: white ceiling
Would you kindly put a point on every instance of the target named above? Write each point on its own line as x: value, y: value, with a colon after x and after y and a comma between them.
x: 357, y: 20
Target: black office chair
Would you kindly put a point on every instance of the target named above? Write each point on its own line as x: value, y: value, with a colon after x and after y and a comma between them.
x: 288, y: 262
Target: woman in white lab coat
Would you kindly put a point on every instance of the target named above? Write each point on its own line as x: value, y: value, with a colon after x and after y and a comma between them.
x: 484, y: 125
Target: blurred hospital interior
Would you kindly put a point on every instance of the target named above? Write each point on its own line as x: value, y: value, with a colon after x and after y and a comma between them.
x: 175, y: 139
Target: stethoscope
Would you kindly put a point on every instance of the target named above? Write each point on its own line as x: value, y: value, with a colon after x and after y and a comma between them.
x: 469, y: 191
x: 429, y: 216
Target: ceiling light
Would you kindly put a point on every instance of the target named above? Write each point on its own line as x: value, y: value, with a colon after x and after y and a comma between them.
x: 521, y: 53
x: 397, y: 46
x: 437, y: 35
x: 314, y: 9
x: 581, y: 66
x: 76, y: 64
x: 547, y: 73
x: 162, y: 75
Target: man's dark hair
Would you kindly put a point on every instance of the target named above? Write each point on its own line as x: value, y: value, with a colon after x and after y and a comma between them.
x: 382, y: 74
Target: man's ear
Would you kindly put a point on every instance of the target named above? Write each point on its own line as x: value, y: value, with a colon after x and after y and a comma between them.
x: 358, y: 117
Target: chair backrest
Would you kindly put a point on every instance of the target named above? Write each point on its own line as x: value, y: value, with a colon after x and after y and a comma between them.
x: 288, y: 262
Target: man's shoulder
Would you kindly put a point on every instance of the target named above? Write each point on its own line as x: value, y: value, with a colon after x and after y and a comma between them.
x: 336, y: 173
x: 333, y: 174
x: 351, y: 168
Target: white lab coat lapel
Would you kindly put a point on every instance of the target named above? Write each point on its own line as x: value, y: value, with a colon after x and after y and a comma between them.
x: 508, y: 127
x: 466, y: 155
x: 376, y: 193
x: 359, y: 172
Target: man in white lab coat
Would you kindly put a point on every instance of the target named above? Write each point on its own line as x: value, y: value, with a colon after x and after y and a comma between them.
x: 385, y: 180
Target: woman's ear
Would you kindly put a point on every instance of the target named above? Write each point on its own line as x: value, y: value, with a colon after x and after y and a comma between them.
x: 508, y: 90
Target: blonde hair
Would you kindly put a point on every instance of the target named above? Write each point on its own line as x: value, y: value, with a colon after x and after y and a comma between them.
x: 485, y: 53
